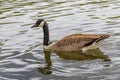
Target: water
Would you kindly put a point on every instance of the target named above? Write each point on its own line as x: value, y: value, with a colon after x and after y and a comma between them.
x: 21, y: 53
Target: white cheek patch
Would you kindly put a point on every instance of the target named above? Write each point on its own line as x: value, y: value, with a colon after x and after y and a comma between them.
x: 42, y: 24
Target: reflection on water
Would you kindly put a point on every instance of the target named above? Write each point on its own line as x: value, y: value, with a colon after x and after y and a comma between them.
x: 21, y: 60
x: 90, y: 55
x: 74, y: 55
x: 47, y: 68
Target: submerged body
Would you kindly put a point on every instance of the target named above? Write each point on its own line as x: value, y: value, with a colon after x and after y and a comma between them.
x: 74, y: 42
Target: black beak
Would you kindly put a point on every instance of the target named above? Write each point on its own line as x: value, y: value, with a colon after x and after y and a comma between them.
x: 34, y: 26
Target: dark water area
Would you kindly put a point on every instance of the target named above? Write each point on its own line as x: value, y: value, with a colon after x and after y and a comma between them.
x: 21, y: 53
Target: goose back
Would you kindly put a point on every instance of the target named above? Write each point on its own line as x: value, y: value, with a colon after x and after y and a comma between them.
x: 76, y: 42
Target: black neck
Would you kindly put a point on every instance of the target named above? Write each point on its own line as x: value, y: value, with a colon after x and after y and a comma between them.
x: 46, y: 34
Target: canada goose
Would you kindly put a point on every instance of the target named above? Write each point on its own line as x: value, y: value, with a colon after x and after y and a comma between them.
x: 74, y: 42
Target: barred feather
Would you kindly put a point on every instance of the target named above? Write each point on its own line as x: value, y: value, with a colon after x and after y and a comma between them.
x: 76, y: 42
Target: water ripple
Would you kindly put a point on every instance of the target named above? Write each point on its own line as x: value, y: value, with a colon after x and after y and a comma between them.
x: 21, y: 53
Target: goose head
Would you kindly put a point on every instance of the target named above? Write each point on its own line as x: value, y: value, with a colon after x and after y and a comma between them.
x: 42, y: 23
x: 39, y: 23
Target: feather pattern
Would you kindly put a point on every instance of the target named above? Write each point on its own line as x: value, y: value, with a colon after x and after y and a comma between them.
x: 76, y: 42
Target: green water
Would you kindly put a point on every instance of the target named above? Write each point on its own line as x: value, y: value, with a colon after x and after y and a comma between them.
x: 21, y: 53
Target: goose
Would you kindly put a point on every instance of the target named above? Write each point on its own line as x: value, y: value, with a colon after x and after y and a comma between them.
x: 73, y: 42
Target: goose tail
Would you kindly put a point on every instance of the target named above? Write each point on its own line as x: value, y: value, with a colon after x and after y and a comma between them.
x: 104, y: 36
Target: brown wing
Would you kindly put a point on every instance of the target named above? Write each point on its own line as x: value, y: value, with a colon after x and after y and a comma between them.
x: 80, y: 39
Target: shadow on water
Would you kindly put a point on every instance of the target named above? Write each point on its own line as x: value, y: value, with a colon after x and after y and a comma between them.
x: 73, y: 55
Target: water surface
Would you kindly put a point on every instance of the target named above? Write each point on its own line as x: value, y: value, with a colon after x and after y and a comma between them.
x: 21, y: 53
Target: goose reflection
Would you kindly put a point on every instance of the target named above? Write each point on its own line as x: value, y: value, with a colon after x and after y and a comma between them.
x: 79, y: 56
x: 47, y: 69
x: 74, y: 55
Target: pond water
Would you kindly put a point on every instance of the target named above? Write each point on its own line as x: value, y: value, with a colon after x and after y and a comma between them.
x: 21, y: 53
